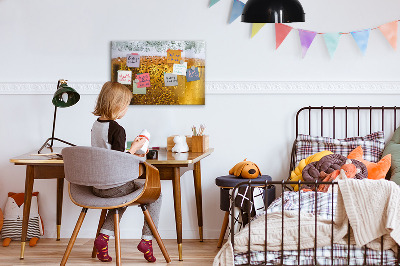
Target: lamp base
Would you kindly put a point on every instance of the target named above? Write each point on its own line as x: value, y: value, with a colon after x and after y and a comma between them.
x: 50, y: 146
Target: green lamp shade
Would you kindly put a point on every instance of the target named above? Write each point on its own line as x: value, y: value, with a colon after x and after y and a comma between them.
x: 65, y: 96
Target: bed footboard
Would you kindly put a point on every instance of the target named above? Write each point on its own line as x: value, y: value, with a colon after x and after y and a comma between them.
x: 310, y: 254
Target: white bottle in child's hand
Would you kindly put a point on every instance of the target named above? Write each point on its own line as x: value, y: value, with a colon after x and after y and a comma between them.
x: 144, y: 134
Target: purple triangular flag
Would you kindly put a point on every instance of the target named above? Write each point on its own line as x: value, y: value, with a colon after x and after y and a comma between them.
x: 237, y: 9
x: 306, y: 39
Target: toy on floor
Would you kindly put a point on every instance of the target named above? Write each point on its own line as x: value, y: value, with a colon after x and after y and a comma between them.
x: 13, y: 215
x: 245, y: 169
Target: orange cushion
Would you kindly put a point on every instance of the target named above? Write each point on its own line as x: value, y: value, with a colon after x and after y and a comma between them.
x: 375, y: 170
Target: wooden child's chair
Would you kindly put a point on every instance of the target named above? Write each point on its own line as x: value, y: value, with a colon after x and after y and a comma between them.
x: 85, y: 167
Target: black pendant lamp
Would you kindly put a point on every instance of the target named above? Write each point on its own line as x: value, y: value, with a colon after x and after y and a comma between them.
x: 273, y: 11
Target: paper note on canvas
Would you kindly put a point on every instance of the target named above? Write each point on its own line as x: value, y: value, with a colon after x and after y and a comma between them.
x: 133, y: 60
x: 136, y: 90
x: 174, y: 56
x: 180, y: 69
x: 192, y: 74
x: 170, y: 79
x: 125, y: 76
x: 144, y: 80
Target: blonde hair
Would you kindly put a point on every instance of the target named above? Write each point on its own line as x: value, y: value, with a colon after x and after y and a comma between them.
x: 112, y: 99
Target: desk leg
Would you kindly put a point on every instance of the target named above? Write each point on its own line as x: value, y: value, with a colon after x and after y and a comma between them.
x: 27, y: 206
x: 199, y: 204
x: 176, y: 182
x: 60, y: 190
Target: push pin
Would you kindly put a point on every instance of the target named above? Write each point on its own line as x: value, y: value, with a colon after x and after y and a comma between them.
x: 182, y: 62
x: 136, y: 81
x: 193, y: 68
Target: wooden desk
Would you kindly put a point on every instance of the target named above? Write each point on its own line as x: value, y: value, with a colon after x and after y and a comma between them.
x: 171, y: 167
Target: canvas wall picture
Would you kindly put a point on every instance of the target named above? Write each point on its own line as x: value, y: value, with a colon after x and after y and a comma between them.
x: 160, y: 72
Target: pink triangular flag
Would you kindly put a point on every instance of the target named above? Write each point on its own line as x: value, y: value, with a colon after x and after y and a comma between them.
x: 389, y: 30
x: 306, y: 39
x: 281, y: 31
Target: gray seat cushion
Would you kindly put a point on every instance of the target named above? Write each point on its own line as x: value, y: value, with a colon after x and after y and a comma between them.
x: 83, y: 196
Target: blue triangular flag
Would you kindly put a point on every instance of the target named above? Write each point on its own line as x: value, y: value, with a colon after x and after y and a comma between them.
x: 213, y: 2
x: 361, y: 37
x: 237, y: 9
x: 332, y: 41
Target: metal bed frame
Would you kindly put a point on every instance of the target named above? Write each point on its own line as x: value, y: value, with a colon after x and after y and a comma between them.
x: 283, y: 184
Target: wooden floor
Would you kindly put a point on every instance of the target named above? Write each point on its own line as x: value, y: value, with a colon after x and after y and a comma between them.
x: 50, y: 252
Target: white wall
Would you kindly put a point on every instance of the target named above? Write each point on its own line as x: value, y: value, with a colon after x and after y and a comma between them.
x: 42, y: 41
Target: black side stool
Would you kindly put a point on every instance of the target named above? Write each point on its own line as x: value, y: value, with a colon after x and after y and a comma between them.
x: 226, y: 183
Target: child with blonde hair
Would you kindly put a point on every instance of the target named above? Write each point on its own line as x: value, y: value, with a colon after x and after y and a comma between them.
x: 112, y: 104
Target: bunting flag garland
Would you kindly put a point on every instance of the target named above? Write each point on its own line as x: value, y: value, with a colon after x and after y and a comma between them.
x: 237, y: 9
x: 332, y: 41
x: 361, y: 37
x: 281, y: 31
x: 213, y: 2
x: 306, y: 39
x: 256, y: 27
x: 389, y: 30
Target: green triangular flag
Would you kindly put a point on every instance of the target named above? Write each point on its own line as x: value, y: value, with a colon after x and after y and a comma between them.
x: 213, y: 2
x: 332, y: 41
x: 256, y: 28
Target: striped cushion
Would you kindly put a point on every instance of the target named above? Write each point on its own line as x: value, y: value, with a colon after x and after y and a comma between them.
x: 372, y: 145
x: 13, y: 228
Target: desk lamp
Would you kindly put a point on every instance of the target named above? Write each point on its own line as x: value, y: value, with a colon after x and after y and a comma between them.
x: 64, y: 96
x: 272, y: 11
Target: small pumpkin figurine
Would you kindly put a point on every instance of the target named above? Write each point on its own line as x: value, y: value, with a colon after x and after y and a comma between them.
x: 245, y: 169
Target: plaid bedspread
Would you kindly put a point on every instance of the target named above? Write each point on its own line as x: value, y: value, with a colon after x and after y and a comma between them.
x: 324, y: 257
x: 307, y: 202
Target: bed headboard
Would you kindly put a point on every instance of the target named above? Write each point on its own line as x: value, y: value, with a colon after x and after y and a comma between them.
x: 344, y: 118
x: 344, y: 121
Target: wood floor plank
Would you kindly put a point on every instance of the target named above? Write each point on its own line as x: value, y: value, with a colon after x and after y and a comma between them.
x: 49, y: 252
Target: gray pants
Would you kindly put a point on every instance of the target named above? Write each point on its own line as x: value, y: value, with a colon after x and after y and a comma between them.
x: 153, y: 208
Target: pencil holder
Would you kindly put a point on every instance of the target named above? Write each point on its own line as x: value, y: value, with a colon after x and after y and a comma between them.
x: 200, y: 143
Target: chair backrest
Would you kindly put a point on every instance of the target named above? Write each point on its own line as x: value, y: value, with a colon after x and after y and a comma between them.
x: 92, y: 166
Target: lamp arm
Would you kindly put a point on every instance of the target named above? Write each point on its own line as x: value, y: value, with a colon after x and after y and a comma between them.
x: 54, y: 118
x: 54, y: 126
